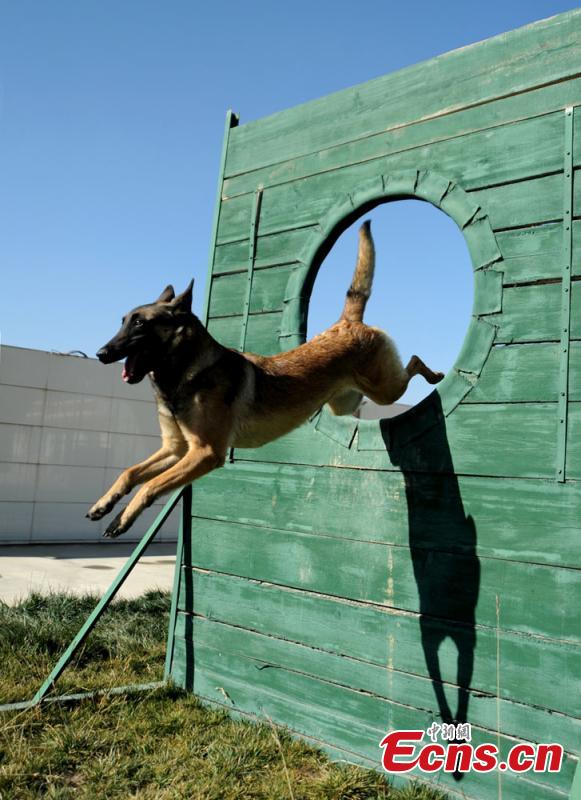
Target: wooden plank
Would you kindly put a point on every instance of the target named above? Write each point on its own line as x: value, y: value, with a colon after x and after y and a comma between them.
x: 305, y: 202
x: 573, y: 466
x: 521, y: 721
x: 476, y: 439
x: 261, y: 337
x: 523, y: 203
x: 443, y: 585
x: 291, y: 498
x: 271, y: 251
x: 525, y: 373
x: 530, y: 313
x: 474, y: 158
x: 339, y: 715
x: 535, y: 253
x: 566, y: 299
x: 254, y: 223
x: 533, y: 313
x: 376, y: 635
x: 231, y: 122
x: 268, y: 288
x: 535, y: 55
x: 528, y: 254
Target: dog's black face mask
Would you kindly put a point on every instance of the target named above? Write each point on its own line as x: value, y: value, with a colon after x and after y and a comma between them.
x: 147, y: 333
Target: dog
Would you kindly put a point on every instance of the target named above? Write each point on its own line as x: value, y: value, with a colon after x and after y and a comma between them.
x: 211, y: 398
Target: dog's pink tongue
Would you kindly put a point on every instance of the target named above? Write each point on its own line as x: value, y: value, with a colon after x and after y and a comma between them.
x: 126, y: 374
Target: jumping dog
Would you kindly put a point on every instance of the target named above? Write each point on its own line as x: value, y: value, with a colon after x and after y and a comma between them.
x: 210, y: 398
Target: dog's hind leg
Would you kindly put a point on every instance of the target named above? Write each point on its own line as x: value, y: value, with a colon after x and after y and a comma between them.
x: 386, y: 379
x: 416, y: 366
x: 346, y: 402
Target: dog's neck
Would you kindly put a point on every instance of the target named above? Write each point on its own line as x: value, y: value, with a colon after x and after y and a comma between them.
x: 191, y: 350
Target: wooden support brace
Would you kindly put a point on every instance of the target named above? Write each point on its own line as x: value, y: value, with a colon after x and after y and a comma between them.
x: 107, y: 598
x: 567, y: 261
x: 251, y: 259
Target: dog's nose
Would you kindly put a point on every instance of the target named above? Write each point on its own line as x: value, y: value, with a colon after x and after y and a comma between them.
x: 102, y: 355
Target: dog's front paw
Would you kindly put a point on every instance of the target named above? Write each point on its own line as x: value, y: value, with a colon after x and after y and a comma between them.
x: 101, y: 508
x: 117, y: 527
x: 438, y: 376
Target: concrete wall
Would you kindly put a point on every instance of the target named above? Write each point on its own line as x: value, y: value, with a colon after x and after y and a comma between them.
x: 68, y: 425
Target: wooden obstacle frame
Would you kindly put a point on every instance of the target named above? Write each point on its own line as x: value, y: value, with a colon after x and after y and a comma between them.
x: 360, y: 576
x: 357, y: 577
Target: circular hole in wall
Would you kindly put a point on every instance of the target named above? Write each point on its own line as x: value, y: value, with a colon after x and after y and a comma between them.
x: 422, y: 291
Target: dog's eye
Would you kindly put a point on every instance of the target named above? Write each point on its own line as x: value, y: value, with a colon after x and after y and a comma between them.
x: 137, y: 323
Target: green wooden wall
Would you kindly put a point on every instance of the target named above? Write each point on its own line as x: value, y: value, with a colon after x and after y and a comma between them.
x: 356, y: 577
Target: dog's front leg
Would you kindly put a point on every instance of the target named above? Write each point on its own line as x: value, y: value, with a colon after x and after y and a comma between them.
x: 160, y: 461
x: 173, y: 447
x: 197, y: 462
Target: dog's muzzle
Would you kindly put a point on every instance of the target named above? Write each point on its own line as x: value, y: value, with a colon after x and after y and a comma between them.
x: 107, y: 355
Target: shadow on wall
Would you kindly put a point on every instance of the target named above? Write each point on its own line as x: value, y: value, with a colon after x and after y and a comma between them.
x: 443, y: 550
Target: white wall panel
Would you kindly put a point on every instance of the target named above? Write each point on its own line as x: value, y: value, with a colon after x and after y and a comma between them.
x: 124, y: 450
x: 82, y: 411
x: 64, y: 522
x: 68, y: 426
x: 20, y: 443
x: 79, y: 375
x: 130, y: 391
x: 17, y: 481
x: 134, y: 417
x: 22, y: 367
x: 64, y: 484
x: 15, y: 521
x: 74, y: 448
x: 21, y: 404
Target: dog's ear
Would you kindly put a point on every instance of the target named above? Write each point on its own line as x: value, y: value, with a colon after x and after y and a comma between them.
x: 167, y: 295
x: 183, y: 302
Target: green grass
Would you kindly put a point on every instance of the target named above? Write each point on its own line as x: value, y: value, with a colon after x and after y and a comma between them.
x: 158, y: 745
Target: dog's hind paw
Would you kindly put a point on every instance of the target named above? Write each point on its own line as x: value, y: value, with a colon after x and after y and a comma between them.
x: 115, y: 528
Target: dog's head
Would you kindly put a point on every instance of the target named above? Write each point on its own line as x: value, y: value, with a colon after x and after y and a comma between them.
x: 147, y: 333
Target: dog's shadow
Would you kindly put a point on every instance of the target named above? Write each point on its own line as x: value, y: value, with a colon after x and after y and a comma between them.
x: 442, y: 542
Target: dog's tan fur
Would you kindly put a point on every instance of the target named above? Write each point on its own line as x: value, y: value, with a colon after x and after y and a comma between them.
x: 210, y: 398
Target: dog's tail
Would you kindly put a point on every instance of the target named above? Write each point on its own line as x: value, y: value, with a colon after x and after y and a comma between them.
x: 360, y: 290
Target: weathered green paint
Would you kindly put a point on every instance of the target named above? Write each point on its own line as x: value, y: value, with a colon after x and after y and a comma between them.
x: 184, y: 533
x: 376, y: 679
x: 534, y: 56
x: 352, y: 719
x: 420, y: 150
x: 261, y: 331
x: 268, y: 287
x: 565, y: 321
x: 250, y: 269
x: 356, y: 575
x: 288, y: 497
x: 389, y: 637
x: 382, y: 574
x: 302, y: 203
x: 231, y: 122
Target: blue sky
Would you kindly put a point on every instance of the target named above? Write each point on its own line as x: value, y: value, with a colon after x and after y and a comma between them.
x: 111, y: 120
